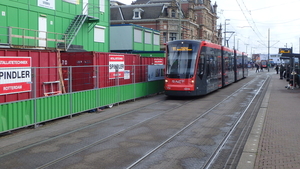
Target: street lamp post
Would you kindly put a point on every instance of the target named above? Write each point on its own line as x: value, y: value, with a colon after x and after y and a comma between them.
x: 179, y: 15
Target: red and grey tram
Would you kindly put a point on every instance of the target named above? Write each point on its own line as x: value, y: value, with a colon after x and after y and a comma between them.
x: 196, y: 68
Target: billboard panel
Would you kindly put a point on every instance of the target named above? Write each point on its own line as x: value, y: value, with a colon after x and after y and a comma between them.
x: 116, y: 66
x: 15, y: 75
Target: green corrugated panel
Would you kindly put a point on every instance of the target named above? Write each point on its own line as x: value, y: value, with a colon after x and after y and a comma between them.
x: 20, y: 114
x: 156, y: 47
x: 52, y: 107
x: 144, y: 89
x: 138, y: 46
x: 156, y: 86
x: 16, y: 115
x: 141, y: 89
x: 127, y: 92
x: 108, y: 95
x: 83, y: 101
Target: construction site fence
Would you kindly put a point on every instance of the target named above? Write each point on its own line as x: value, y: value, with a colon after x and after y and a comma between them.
x: 56, y: 92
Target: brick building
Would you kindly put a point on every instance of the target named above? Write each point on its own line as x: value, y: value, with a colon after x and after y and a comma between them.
x: 198, y: 18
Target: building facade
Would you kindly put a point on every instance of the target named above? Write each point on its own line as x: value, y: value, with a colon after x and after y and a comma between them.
x: 174, y: 20
x: 55, y: 24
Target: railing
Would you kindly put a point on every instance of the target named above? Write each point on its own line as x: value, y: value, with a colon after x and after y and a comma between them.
x: 92, y: 10
x: 48, y: 81
x: 29, y: 38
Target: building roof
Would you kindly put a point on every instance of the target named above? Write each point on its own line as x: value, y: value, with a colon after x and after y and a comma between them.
x: 125, y: 12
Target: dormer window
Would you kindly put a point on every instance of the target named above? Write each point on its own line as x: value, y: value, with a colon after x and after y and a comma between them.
x: 137, y: 13
x: 173, y: 14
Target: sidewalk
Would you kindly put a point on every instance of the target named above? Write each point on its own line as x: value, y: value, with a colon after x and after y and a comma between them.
x: 274, y: 141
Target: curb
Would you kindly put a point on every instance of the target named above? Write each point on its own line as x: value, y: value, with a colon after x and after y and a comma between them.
x: 247, y: 160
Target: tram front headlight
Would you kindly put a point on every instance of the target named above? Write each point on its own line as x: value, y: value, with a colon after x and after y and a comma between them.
x: 166, y: 81
x: 192, y: 81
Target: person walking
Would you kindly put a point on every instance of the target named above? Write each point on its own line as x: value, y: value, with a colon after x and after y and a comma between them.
x: 257, y: 67
x: 277, y: 68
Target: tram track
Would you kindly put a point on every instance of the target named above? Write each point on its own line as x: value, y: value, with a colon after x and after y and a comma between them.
x: 160, y: 101
x: 110, y: 136
x: 164, y: 109
x: 234, y: 156
x: 216, y: 152
x: 87, y: 126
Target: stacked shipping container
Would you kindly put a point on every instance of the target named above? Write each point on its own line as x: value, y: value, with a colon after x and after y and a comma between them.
x: 42, y: 71
x: 54, y: 72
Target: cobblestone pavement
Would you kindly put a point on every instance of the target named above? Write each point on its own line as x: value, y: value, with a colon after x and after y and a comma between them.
x: 279, y: 145
x: 274, y: 141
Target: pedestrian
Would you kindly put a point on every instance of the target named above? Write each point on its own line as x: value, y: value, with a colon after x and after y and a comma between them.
x: 257, y: 67
x: 288, y: 72
x: 277, y: 68
x: 281, y: 70
x: 261, y: 67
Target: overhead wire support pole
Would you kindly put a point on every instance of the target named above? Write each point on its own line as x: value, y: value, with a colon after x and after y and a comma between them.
x: 268, y: 49
x: 179, y: 15
x: 225, y: 32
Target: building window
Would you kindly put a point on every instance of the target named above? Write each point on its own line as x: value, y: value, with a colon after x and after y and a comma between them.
x: 173, y: 14
x: 173, y: 36
x: 138, y: 35
x: 137, y: 13
x: 102, y: 5
x: 156, y: 39
x: 165, y: 37
x: 99, y: 34
x: 148, y: 38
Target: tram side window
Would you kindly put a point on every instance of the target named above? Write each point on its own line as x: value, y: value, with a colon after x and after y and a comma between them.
x: 214, y: 63
x: 232, y: 61
x: 208, y: 67
x: 201, y: 66
x: 210, y: 62
x: 229, y: 61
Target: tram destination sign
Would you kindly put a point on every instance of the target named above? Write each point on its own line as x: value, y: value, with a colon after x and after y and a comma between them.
x: 15, y: 75
x: 285, y: 50
x: 181, y: 49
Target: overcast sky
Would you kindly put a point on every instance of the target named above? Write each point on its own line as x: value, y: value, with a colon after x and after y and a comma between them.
x: 251, y: 20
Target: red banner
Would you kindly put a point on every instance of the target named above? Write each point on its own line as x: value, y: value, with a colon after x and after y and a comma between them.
x: 158, y: 61
x: 15, y: 88
x: 15, y: 62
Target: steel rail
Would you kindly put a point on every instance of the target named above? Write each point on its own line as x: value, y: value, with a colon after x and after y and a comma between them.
x: 78, y: 129
x: 188, y: 125
x: 110, y: 136
x: 244, y: 134
x: 212, y: 158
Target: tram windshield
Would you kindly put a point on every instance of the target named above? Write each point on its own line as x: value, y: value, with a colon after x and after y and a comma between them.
x: 181, y: 59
